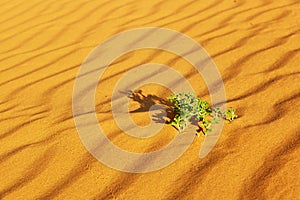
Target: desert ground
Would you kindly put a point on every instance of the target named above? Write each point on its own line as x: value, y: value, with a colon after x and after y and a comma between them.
x: 255, y: 45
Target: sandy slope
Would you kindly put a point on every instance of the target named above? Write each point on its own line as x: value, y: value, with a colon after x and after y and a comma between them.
x: 255, y: 44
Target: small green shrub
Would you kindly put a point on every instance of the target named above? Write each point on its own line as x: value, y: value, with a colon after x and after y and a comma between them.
x: 190, y: 108
x: 230, y: 115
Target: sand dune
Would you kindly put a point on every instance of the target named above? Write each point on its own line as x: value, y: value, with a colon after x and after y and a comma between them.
x: 255, y: 45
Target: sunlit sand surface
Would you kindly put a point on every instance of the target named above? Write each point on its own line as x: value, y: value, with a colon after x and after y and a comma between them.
x: 255, y: 45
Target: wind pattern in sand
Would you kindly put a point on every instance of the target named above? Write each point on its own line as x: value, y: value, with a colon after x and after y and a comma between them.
x: 255, y: 44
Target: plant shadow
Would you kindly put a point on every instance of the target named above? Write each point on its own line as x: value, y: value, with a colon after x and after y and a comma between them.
x: 146, y: 101
x: 167, y: 114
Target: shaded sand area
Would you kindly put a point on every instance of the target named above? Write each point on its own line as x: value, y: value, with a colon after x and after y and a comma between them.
x: 256, y: 46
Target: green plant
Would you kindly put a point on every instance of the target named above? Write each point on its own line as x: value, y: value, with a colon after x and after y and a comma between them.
x: 190, y: 108
x: 230, y: 115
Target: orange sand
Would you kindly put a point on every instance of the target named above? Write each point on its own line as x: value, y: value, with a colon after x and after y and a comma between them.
x: 255, y: 44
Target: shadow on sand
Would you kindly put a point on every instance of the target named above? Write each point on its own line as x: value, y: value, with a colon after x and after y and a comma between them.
x: 146, y: 101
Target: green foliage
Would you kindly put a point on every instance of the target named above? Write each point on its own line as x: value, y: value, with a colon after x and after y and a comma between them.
x: 188, y: 107
x: 230, y: 115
